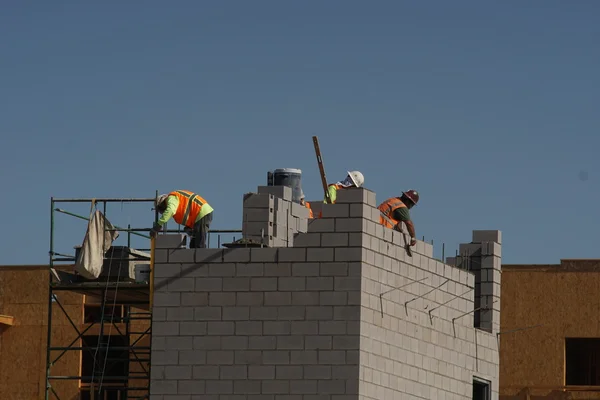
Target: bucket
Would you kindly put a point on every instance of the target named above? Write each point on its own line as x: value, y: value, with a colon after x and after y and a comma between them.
x: 142, y: 273
x: 290, y: 177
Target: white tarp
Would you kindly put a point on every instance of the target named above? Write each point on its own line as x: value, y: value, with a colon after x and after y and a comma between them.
x: 98, y: 240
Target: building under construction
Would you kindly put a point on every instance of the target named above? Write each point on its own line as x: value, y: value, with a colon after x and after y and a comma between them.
x: 312, y: 309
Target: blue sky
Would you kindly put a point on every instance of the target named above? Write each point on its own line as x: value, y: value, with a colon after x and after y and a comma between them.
x: 489, y: 109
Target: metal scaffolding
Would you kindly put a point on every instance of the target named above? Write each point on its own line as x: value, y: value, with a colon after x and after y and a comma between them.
x: 91, y: 338
x: 121, y: 370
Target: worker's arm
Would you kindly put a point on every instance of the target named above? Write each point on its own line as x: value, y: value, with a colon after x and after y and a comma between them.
x: 172, y: 204
x: 403, y: 215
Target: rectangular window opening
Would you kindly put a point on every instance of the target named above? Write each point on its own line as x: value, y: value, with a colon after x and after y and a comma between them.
x: 482, y: 389
x: 582, y: 361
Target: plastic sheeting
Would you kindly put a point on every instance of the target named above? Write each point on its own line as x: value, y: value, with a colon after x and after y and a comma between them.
x: 98, y: 239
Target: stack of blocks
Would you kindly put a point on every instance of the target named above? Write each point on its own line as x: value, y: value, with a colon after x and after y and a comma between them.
x: 272, y: 218
x: 344, y: 314
x: 483, y: 258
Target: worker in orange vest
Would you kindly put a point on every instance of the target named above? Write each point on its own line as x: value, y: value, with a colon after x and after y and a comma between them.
x: 354, y: 179
x: 187, y: 209
x: 307, y: 205
x: 395, y: 211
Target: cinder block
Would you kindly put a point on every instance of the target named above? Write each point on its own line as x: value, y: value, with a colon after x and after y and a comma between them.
x: 221, y: 269
x: 307, y: 240
x: 292, y: 255
x: 250, y: 269
x: 170, y: 241
x: 167, y: 270
x: 305, y: 298
x: 334, y: 239
x: 299, y: 211
x: 166, y: 299
x: 350, y: 225
x: 253, y: 200
x: 280, y: 231
x: 282, y: 192
x: 336, y: 210
x: 208, y: 256
x: 259, y: 229
x: 491, y: 249
x: 263, y: 284
x: 263, y: 255
x: 259, y: 215
x: 321, y: 225
x: 480, y: 236
x: 181, y: 285
x: 291, y: 284
x: 236, y: 255
x: 238, y: 284
x: 209, y: 284
x: 302, y: 224
x: 348, y: 254
x: 469, y: 249
x: 250, y: 299
x: 321, y: 254
x: 165, y: 328
x: 184, y: 256
x: 352, y: 195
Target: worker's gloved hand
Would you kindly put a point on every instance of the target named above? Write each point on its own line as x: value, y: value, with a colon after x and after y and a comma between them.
x: 413, y: 241
x: 155, y: 229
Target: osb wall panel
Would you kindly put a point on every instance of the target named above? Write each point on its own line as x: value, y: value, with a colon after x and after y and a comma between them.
x: 566, y: 302
x: 24, y: 295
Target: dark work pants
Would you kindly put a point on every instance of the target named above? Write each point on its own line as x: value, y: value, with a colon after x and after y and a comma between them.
x: 200, y: 232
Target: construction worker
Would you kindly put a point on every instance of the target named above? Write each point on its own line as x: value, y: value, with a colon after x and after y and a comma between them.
x: 187, y: 209
x: 354, y: 179
x: 306, y: 204
x: 395, y: 211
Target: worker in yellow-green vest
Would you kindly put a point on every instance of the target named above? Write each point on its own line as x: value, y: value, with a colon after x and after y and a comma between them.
x: 354, y: 179
x: 187, y: 209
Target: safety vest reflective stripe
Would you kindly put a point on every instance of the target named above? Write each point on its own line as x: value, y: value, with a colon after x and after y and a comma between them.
x: 387, y: 209
x: 194, y: 197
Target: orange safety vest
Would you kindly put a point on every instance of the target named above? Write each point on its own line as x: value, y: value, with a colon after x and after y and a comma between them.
x: 387, y: 208
x: 190, y: 205
x: 310, y: 211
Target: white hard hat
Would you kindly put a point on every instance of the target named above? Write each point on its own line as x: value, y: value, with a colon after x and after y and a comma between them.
x: 357, y: 177
x: 302, y: 194
x: 160, y: 199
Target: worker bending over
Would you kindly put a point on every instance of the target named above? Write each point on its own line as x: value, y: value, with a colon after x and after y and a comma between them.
x: 307, y: 205
x: 395, y: 211
x: 187, y: 209
x: 354, y: 179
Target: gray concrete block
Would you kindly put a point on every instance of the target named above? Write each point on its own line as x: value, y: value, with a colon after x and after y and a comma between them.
x: 352, y: 195
x: 166, y: 299
x: 335, y: 239
x: 191, y: 387
x: 165, y: 328
x: 348, y: 254
x: 258, y: 215
x: 167, y: 270
x: 307, y: 240
x: 321, y: 225
x: 250, y: 269
x: 291, y: 284
x: 292, y: 255
x: 181, y: 285
x: 207, y: 313
x: 281, y: 192
x: 208, y: 256
x: 180, y: 313
x: 350, y: 225
x: 261, y: 372
x: 234, y: 372
x: 306, y: 269
x: 249, y: 298
x: 222, y: 270
x: 205, y: 372
x: 219, y: 387
x: 163, y: 387
x: 320, y: 283
x: 319, y: 254
x: 305, y: 298
x: 305, y: 327
x: 491, y: 249
x: 260, y: 229
x: 335, y: 210
x: 264, y: 255
x: 184, y: 256
x: 278, y: 299
x: 236, y: 255
x: 178, y: 372
x: 299, y: 211
x: 263, y: 284
x: 249, y: 328
x: 239, y: 284
x: 254, y: 200
x: 192, y: 328
x: 302, y: 225
x: 208, y: 284
x: 480, y: 236
x: 170, y: 241
x: 278, y: 269
x: 220, y: 328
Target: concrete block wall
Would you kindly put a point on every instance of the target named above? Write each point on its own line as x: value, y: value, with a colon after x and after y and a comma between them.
x: 271, y: 217
x: 343, y: 314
